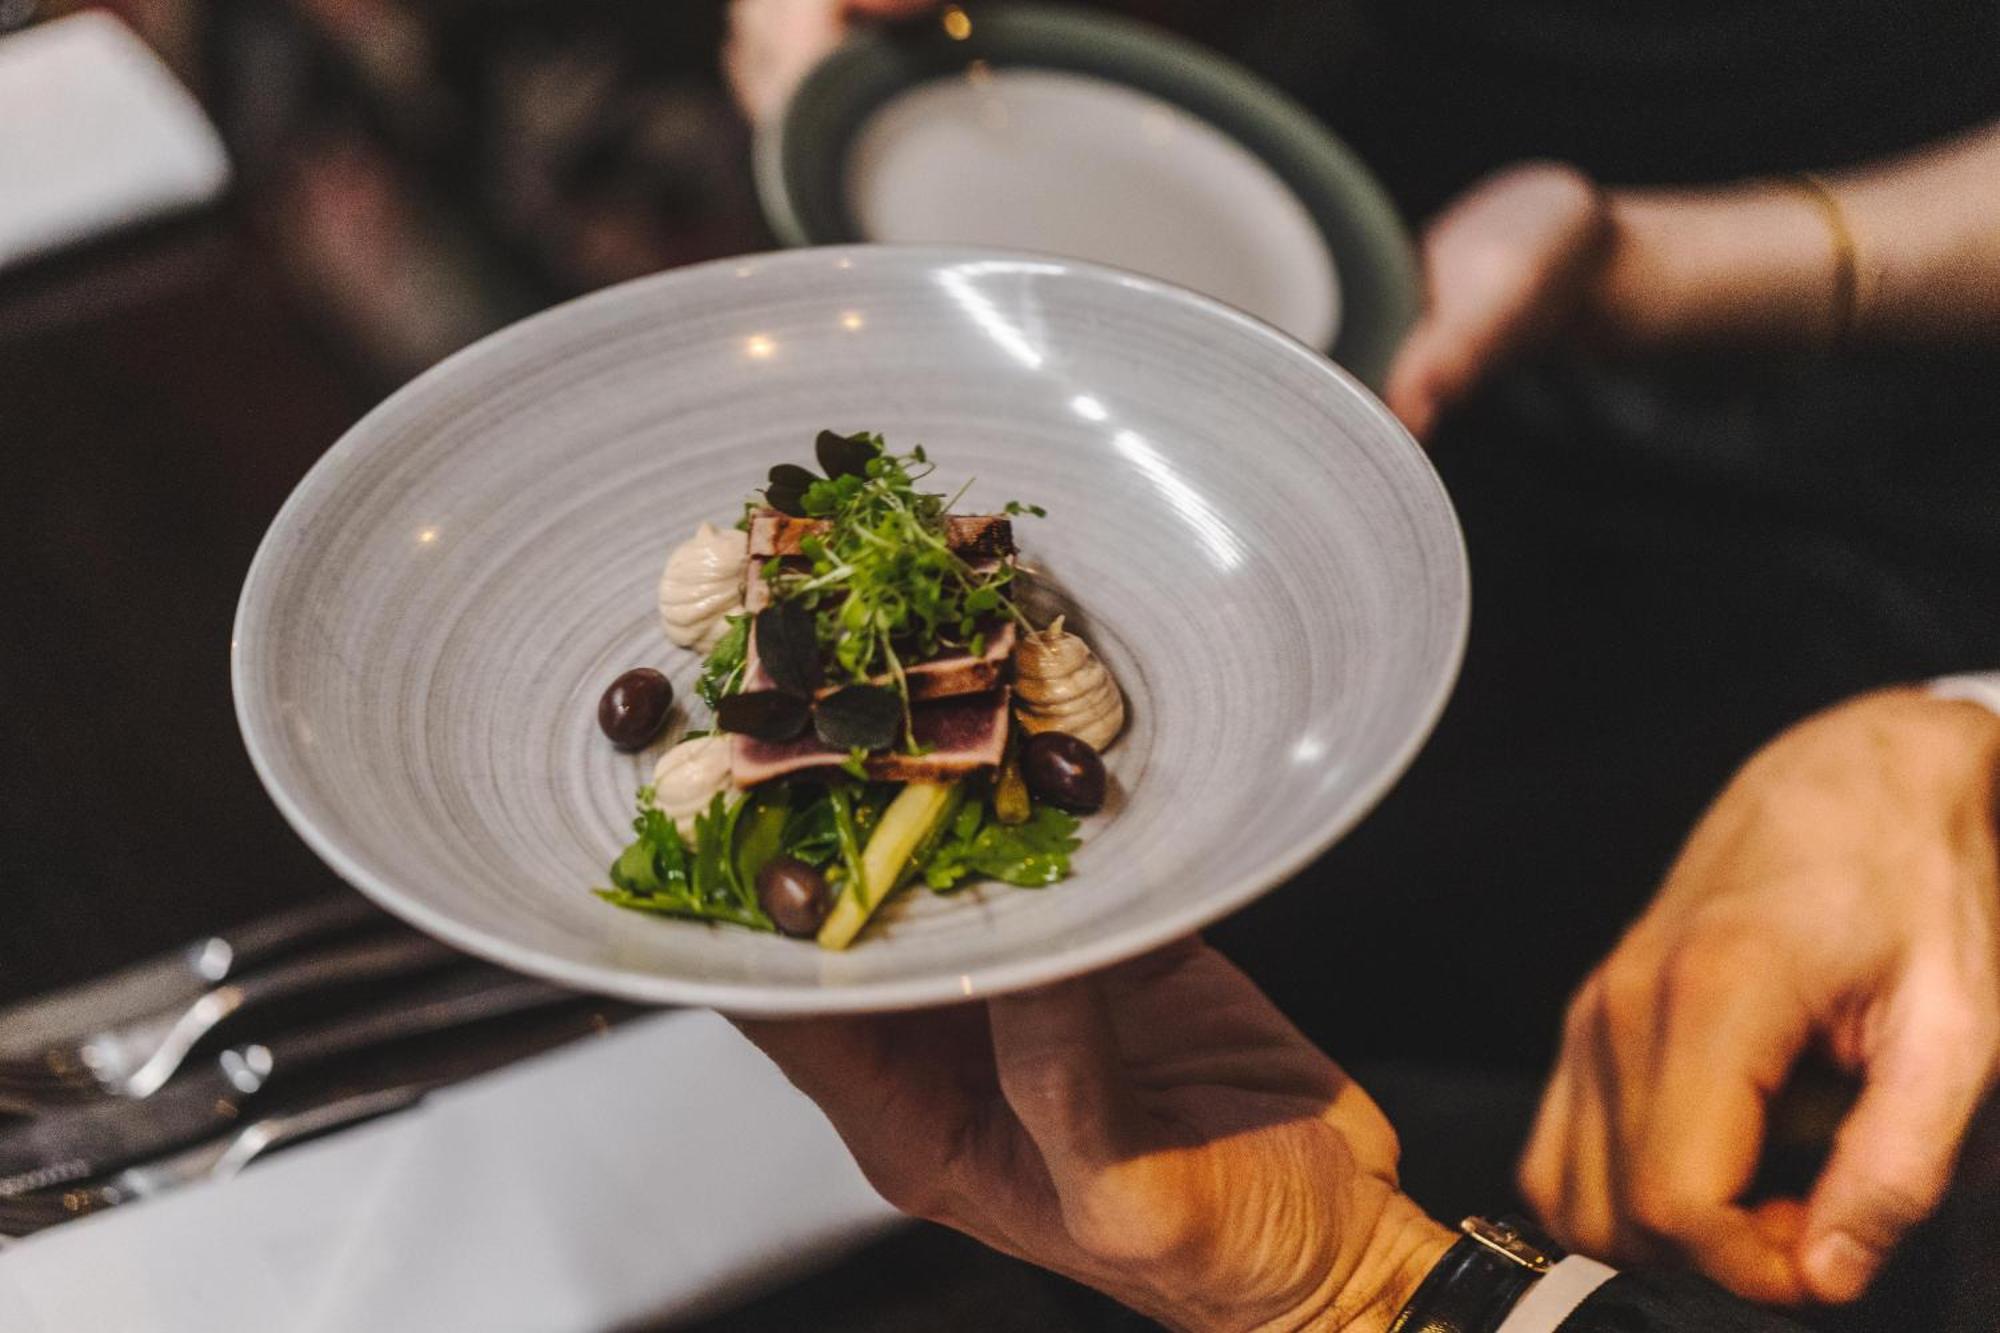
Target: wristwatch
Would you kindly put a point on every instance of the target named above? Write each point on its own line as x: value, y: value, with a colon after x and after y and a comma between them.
x: 1484, y: 1281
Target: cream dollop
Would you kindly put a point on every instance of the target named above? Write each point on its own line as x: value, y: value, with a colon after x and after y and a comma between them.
x: 1060, y: 685
x: 702, y: 586
x: 687, y: 778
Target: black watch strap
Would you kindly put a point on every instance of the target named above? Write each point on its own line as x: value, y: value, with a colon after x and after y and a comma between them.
x: 1479, y: 1279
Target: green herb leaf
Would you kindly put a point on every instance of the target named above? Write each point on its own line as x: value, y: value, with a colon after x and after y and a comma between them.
x: 661, y: 873
x: 810, y: 834
x: 858, y: 717
x: 760, y: 830
x: 844, y: 455
x: 722, y: 673
x: 1031, y: 854
x: 847, y: 830
x: 788, y: 647
x: 768, y: 715
x: 787, y: 488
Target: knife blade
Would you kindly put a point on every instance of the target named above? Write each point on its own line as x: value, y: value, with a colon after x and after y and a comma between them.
x: 180, y: 977
x: 87, y: 1141
x: 350, y: 1103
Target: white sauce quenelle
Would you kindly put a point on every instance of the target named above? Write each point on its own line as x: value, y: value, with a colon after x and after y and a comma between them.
x: 1060, y: 685
x: 702, y: 586
x: 688, y: 777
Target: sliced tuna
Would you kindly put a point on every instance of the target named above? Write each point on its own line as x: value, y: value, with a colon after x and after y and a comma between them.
x: 964, y: 734
x: 940, y: 677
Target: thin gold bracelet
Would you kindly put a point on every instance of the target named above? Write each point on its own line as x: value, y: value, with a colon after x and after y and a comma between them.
x: 1846, y: 253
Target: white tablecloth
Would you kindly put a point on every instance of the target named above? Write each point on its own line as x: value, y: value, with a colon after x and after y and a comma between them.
x: 655, y: 1172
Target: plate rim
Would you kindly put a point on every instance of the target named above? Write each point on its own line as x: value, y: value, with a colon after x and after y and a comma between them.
x: 791, y: 157
x: 763, y: 999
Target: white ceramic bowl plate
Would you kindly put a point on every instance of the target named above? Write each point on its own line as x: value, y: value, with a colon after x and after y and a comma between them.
x: 1002, y: 159
x: 1262, y: 554
x: 1072, y: 131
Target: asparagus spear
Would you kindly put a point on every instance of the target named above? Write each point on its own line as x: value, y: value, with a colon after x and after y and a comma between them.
x: 907, y: 822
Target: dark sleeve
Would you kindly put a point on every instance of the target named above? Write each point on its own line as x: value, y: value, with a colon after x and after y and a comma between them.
x: 1669, y: 1303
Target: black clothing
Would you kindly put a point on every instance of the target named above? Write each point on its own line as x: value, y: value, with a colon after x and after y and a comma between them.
x: 1671, y: 561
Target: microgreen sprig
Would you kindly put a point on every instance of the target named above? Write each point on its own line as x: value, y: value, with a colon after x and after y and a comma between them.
x: 883, y: 583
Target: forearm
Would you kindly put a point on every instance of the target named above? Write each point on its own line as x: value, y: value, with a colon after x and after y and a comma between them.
x: 1758, y: 262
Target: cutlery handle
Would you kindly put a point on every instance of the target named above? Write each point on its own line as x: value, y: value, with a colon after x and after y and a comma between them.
x: 254, y: 943
x: 340, y: 967
x: 486, y: 994
x: 281, y: 1131
x: 345, y: 965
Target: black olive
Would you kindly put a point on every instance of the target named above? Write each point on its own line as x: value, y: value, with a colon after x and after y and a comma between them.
x: 634, y: 709
x: 793, y: 894
x: 1064, y: 771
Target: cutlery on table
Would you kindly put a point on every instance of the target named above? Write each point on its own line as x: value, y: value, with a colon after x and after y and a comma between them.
x: 223, y: 1156
x: 135, y: 1059
x: 84, y: 1142
x: 218, y: 1159
x: 175, y: 980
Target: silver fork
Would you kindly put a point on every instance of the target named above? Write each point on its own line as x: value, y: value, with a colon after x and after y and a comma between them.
x: 136, y: 1058
x: 220, y: 1092
x: 175, y: 980
x: 219, y: 1159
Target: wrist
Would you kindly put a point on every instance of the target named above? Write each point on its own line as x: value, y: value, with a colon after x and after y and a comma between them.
x: 1403, y: 1247
x: 1744, y: 263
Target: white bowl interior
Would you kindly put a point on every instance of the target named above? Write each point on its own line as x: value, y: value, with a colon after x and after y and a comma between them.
x: 1263, y: 556
x: 1085, y: 166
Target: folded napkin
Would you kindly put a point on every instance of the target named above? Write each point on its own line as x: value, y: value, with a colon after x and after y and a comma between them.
x: 656, y: 1173
x: 95, y: 134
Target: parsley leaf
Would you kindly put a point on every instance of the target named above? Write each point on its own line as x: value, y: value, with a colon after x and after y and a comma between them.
x: 662, y: 874
x: 722, y: 673
x: 1032, y: 854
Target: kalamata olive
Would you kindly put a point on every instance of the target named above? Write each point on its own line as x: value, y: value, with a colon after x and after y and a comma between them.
x: 634, y: 709
x: 793, y: 894
x: 1063, y: 770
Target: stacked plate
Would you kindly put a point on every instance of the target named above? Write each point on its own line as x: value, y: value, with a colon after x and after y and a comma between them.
x: 1078, y: 134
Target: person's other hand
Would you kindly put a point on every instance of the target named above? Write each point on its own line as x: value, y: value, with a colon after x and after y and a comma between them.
x: 772, y: 43
x: 1158, y: 1131
x: 1506, y: 268
x: 1841, y: 892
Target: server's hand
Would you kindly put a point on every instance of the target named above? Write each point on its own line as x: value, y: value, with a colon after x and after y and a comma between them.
x: 1842, y: 893
x: 772, y: 43
x: 1158, y: 1131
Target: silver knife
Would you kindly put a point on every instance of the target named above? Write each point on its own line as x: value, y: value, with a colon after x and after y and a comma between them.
x: 233, y: 1151
x: 94, y: 1140
x: 180, y: 977
x: 135, y: 1060
x: 218, y: 1159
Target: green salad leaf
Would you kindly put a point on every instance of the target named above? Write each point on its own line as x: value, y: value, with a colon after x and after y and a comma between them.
x: 1030, y: 854
x: 722, y: 673
x: 660, y: 873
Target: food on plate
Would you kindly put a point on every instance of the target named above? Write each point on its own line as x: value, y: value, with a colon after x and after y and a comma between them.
x: 793, y: 894
x: 884, y: 712
x: 689, y: 777
x: 702, y: 587
x: 1060, y: 685
x: 634, y: 708
x: 1062, y: 770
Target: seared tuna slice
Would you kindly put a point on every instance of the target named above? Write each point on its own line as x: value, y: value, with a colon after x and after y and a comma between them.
x: 965, y: 734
